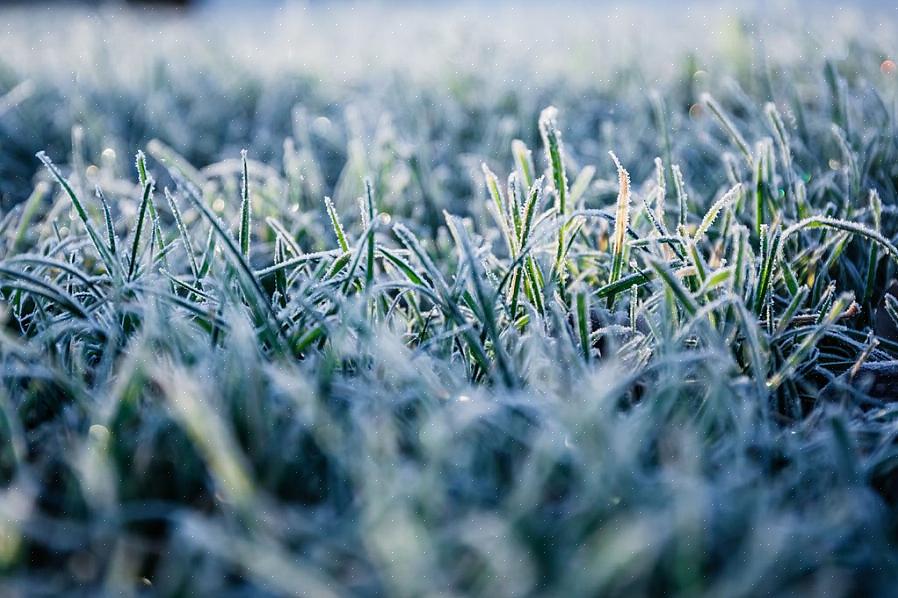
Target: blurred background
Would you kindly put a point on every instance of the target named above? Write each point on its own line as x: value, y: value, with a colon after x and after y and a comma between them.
x: 209, y: 77
x: 243, y: 4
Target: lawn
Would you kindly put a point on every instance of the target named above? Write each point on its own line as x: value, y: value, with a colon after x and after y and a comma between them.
x: 351, y: 300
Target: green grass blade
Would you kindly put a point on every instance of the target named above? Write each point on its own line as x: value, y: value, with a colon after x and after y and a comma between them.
x: 246, y: 209
x: 673, y: 283
x: 335, y: 223
x: 371, y: 241
x: 728, y: 127
x: 523, y: 159
x: 138, y: 228
x: 102, y: 250
x: 185, y: 234
x: 621, y: 219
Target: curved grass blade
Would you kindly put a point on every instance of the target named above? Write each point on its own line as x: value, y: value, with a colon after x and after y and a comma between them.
x: 28, y: 212
x: 102, y: 250
x: 185, y: 234
x: 728, y: 127
x: 335, y: 223
x: 673, y: 283
x: 523, y: 159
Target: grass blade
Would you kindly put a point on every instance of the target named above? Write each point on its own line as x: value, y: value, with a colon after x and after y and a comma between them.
x: 245, y: 209
x: 102, y: 250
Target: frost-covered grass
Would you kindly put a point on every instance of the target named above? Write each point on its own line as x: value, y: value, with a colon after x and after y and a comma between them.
x: 445, y: 331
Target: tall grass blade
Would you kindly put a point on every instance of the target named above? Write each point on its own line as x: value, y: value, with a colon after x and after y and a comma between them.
x: 246, y: 209
x: 102, y: 250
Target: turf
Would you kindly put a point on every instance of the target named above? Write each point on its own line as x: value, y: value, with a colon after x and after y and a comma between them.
x: 450, y: 333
